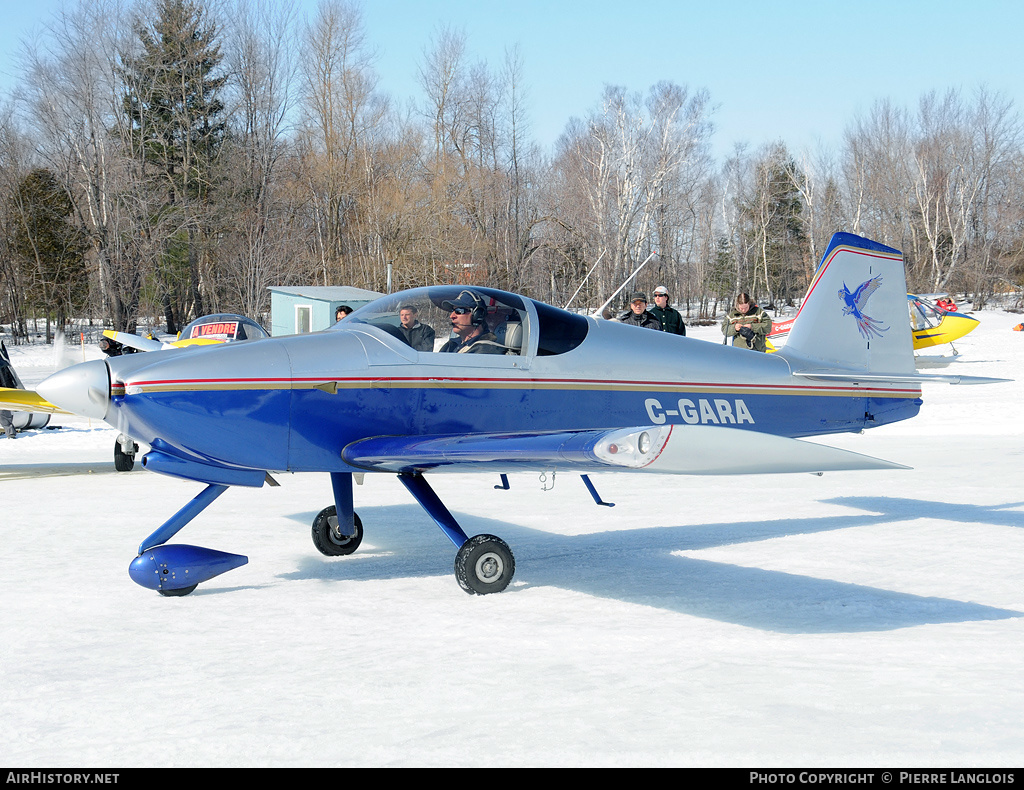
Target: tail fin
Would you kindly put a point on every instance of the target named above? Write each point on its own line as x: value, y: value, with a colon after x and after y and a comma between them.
x: 854, y: 317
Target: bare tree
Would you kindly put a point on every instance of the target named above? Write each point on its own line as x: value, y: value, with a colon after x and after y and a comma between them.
x: 639, y: 165
x: 256, y: 241
x: 340, y: 111
x: 72, y: 98
x: 877, y: 175
x: 15, y: 157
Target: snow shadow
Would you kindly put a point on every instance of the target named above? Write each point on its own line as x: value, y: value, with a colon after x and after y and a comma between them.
x: 638, y: 566
x: 903, y: 509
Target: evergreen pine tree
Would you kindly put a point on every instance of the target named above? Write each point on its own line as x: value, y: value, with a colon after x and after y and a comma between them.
x: 177, y: 121
x: 49, y: 247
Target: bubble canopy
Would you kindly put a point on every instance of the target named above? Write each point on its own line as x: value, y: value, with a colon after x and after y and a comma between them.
x: 515, y: 320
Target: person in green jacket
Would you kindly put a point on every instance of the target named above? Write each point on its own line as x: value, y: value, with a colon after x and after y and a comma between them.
x: 670, y: 318
x: 747, y: 324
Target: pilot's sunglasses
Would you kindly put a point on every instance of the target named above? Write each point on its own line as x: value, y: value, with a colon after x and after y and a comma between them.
x: 462, y: 310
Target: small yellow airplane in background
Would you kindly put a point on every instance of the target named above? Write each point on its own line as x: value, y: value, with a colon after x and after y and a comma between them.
x: 934, y: 321
x: 205, y: 331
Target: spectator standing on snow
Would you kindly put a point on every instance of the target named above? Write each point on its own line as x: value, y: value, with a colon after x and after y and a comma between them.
x: 747, y: 324
x: 637, y: 315
x: 670, y: 319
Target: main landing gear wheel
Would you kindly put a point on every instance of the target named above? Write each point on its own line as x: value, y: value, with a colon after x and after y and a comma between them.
x: 328, y: 540
x: 484, y: 565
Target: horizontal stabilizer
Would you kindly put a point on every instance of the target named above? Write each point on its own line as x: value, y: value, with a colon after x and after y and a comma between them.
x: 667, y: 449
x: 898, y: 378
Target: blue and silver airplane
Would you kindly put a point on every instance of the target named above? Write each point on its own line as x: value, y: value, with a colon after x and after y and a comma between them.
x: 521, y: 386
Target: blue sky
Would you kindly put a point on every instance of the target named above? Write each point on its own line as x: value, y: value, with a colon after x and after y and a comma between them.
x: 797, y: 70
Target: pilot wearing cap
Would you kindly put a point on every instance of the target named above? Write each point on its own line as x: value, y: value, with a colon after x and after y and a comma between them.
x: 469, y: 325
x: 670, y: 319
x: 637, y: 314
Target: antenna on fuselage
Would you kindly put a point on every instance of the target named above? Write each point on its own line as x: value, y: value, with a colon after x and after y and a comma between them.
x: 636, y: 271
x: 599, y: 257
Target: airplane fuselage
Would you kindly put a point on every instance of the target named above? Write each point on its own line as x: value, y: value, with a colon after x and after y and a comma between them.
x: 294, y: 403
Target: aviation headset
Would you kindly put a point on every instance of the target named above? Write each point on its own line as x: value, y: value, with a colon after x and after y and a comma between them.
x: 468, y: 299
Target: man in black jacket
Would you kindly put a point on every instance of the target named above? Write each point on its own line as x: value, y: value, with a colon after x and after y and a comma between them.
x: 670, y: 319
x: 469, y: 326
x: 637, y: 314
x: 419, y: 336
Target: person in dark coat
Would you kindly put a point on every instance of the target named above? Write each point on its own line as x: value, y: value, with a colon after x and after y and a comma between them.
x: 637, y: 315
x: 670, y: 319
x: 747, y: 324
x: 110, y: 347
x: 7, y: 379
x: 469, y: 324
x: 419, y: 336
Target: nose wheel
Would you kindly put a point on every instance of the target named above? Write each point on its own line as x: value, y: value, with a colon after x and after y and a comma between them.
x: 125, y: 451
x: 484, y: 565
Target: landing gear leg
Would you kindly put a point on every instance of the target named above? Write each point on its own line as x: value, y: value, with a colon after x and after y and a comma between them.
x: 176, y: 569
x: 484, y: 564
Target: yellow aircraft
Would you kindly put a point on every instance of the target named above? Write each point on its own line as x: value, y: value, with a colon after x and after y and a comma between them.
x: 210, y: 329
x: 30, y: 410
x: 933, y: 323
x: 27, y: 401
x: 937, y: 322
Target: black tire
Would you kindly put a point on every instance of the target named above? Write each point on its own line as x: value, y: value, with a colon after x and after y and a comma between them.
x: 484, y: 565
x: 179, y: 592
x: 124, y: 462
x: 326, y: 537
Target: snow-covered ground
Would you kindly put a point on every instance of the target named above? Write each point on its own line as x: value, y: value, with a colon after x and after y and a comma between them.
x: 855, y: 619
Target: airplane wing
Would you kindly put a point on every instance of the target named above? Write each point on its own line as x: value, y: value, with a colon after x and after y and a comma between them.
x: 133, y: 341
x: 667, y: 449
x: 26, y: 400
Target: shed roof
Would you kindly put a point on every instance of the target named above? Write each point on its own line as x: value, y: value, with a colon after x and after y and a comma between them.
x: 327, y: 293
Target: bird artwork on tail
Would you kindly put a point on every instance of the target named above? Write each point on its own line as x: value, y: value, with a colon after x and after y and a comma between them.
x: 855, y: 302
